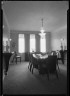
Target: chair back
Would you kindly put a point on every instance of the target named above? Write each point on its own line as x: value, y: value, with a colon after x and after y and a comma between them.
x: 51, y: 63
x: 62, y: 53
x: 30, y: 56
x: 7, y: 57
x: 34, y: 61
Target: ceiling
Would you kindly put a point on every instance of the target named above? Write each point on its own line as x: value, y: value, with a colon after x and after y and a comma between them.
x: 27, y: 15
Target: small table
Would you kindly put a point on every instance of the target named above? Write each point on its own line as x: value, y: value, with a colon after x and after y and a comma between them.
x: 18, y: 57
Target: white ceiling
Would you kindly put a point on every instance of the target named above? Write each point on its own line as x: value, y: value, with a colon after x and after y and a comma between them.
x: 27, y: 15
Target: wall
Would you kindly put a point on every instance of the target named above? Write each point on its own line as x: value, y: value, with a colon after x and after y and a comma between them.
x: 56, y: 39
x: 48, y: 41
x: 6, y: 31
x: 14, y: 36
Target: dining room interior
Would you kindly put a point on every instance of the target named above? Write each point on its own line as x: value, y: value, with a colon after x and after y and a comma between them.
x: 34, y: 47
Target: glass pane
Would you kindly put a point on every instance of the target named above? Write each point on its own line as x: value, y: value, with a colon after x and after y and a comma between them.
x: 32, y: 42
x: 21, y: 43
x: 43, y: 45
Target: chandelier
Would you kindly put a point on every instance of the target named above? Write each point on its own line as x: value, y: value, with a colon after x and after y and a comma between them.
x: 42, y: 34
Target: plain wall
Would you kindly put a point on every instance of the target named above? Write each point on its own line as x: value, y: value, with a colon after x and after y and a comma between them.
x: 56, y: 39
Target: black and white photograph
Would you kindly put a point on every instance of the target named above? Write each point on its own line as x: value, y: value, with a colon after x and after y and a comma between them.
x: 34, y: 47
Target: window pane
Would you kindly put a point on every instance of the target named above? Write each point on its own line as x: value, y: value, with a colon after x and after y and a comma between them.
x: 43, y: 44
x: 21, y: 43
x: 32, y: 42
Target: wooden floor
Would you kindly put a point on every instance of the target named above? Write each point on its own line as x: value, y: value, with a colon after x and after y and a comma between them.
x: 21, y: 81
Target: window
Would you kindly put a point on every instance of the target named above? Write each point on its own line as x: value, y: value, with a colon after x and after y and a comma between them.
x: 32, y: 43
x: 21, y: 44
x: 43, y: 44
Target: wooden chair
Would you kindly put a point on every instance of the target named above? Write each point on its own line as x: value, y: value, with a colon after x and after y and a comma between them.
x: 30, y: 64
x: 51, y: 64
x: 39, y: 64
x: 55, y: 54
x: 6, y: 57
x: 16, y: 57
x: 34, y: 63
x: 62, y: 55
x: 42, y: 66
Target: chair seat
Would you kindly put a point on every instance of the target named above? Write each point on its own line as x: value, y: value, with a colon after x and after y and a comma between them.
x: 17, y: 58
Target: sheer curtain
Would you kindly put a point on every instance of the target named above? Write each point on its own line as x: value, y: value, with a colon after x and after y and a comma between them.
x: 21, y: 43
x: 32, y: 43
x: 43, y: 44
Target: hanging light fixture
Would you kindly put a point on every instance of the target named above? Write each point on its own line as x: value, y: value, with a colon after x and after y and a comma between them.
x: 42, y: 34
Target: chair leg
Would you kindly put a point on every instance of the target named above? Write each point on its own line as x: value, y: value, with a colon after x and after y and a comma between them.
x: 62, y: 61
x: 30, y: 67
x: 48, y: 75
x: 56, y: 74
x: 32, y: 70
x: 58, y: 68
